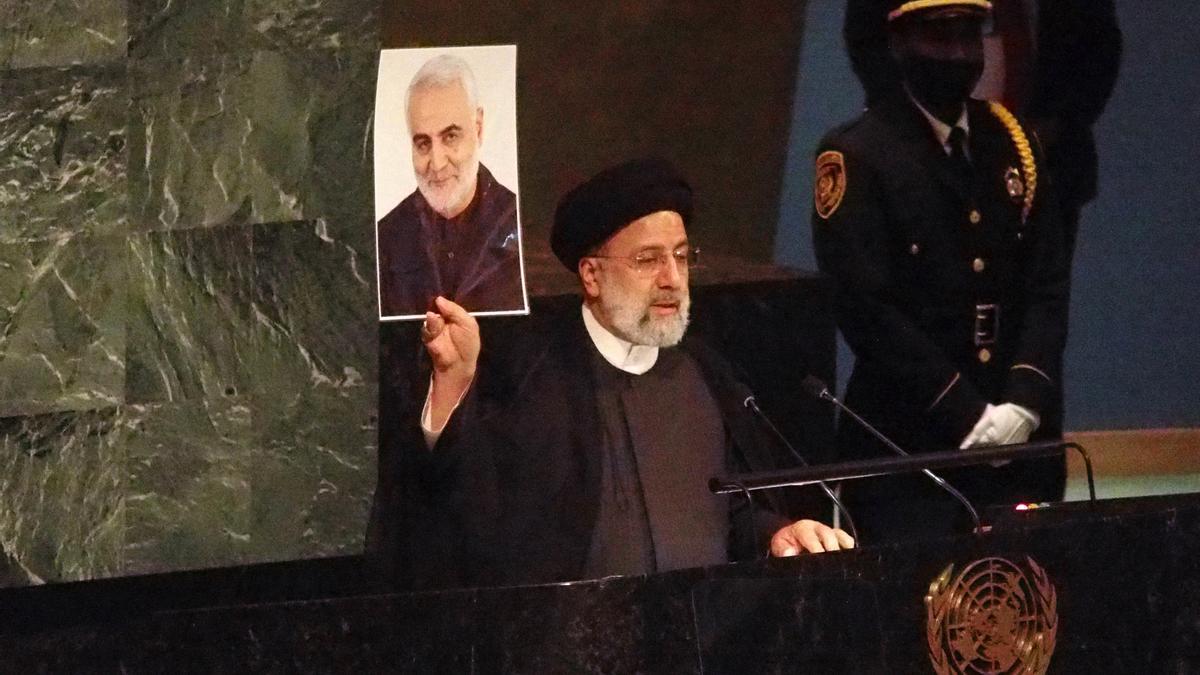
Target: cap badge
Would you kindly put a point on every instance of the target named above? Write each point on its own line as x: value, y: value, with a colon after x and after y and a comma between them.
x: 1014, y: 184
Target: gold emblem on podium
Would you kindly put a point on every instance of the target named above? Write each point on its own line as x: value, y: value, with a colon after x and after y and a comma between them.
x: 992, y: 617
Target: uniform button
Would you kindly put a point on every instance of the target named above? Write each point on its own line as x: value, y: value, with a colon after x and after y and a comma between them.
x: 450, y: 255
x: 985, y: 355
x: 914, y: 249
x: 978, y: 265
x: 975, y: 217
x: 1020, y: 236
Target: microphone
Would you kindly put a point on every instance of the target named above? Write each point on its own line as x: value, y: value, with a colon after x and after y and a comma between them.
x: 751, y: 403
x: 814, y: 387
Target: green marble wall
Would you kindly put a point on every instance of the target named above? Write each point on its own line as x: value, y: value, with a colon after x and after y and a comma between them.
x: 188, y: 348
x: 189, y: 354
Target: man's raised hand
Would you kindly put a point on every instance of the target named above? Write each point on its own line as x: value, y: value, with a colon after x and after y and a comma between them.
x: 451, y: 338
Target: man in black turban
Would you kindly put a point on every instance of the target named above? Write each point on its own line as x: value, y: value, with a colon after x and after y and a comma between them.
x: 587, y: 454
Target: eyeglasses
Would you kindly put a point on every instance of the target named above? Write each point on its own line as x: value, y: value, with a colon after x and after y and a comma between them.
x: 650, y: 263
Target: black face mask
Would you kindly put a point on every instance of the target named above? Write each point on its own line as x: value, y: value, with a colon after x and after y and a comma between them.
x: 941, y: 82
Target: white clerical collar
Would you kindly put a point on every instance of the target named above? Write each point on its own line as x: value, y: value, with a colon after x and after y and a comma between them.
x: 940, y: 128
x: 622, y: 354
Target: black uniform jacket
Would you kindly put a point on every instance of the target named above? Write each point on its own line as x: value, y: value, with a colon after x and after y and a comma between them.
x: 510, y: 492
x: 948, y: 297
x: 413, y: 265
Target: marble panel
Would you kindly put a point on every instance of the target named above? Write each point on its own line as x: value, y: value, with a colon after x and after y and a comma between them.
x: 81, y: 649
x: 315, y: 291
x: 616, y: 625
x: 61, y: 32
x: 62, y: 332
x: 189, y: 314
x: 189, y: 485
x: 170, y: 28
x: 788, y: 625
x: 339, y: 186
x: 308, y: 24
x: 250, y: 138
x: 62, y: 499
x: 313, y: 390
x: 406, y: 634
x: 62, y: 152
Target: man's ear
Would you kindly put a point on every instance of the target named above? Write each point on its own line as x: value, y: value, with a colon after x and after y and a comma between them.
x: 479, y: 124
x: 589, y: 269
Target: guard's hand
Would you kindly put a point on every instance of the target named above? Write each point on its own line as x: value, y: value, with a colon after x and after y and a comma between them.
x: 809, y: 536
x: 451, y: 338
x: 1002, y: 424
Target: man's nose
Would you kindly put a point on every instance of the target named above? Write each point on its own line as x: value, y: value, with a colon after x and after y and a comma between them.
x: 671, y: 272
x: 438, y: 157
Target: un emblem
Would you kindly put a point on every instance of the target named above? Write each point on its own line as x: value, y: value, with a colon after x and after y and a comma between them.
x: 993, y: 617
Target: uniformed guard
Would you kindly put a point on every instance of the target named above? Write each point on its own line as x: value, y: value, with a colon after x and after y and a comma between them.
x: 941, y: 233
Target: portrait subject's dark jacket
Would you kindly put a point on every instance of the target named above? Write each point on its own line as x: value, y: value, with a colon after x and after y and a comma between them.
x: 510, y: 493
x: 949, y: 300
x: 474, y: 260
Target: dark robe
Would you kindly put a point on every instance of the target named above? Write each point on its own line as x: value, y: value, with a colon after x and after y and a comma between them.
x: 662, y: 440
x: 472, y: 259
x: 511, y: 491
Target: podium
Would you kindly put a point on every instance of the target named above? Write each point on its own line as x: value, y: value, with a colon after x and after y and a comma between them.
x: 1124, y: 576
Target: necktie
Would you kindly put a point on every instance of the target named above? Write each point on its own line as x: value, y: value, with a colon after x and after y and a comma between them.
x: 958, y: 151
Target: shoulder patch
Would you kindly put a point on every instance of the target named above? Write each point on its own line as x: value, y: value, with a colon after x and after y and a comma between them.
x: 830, y: 184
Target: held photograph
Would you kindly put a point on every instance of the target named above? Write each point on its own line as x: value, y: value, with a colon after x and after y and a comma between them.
x: 446, y: 194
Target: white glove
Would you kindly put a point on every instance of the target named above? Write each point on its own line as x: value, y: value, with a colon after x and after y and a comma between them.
x: 1002, y: 424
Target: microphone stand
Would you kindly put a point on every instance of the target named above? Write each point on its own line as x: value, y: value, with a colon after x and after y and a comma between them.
x: 962, y: 499
x: 752, y: 404
x: 817, y: 388
x: 890, y: 466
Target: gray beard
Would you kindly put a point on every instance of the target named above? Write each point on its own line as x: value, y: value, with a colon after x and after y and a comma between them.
x: 631, y: 318
x: 441, y: 201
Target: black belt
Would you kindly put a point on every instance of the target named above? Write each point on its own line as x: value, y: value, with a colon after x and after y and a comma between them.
x: 987, y: 324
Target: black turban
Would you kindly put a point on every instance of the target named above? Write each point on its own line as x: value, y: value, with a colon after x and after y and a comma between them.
x: 604, y: 204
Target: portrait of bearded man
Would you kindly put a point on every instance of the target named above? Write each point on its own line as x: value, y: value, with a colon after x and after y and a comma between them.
x: 457, y: 235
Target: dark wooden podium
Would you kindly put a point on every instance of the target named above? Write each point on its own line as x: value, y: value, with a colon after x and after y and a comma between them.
x: 1125, y: 576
